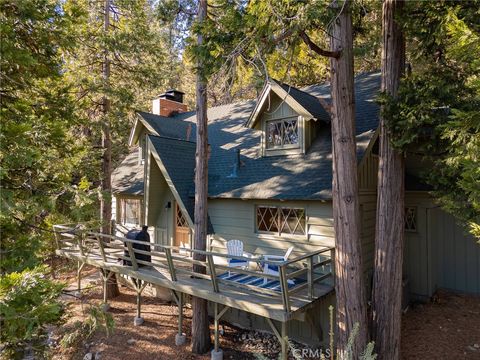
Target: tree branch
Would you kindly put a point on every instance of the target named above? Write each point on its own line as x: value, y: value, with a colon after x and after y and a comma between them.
x: 306, y: 39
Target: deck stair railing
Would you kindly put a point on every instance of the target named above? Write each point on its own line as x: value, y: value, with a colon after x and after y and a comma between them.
x: 312, y: 268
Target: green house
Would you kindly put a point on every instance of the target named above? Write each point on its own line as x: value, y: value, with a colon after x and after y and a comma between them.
x: 269, y: 185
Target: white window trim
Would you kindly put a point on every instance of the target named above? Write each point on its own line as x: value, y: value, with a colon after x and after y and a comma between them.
x: 121, y: 211
x: 288, y: 149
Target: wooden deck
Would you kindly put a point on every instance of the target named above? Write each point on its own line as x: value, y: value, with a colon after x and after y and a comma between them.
x: 301, y: 281
x: 171, y: 270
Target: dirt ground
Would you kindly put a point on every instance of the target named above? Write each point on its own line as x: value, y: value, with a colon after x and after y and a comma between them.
x: 155, y: 339
x: 448, y: 328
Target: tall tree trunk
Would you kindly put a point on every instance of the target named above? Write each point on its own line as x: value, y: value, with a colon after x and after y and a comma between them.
x: 201, y: 341
x: 349, y: 286
x: 389, y: 235
x: 106, y: 199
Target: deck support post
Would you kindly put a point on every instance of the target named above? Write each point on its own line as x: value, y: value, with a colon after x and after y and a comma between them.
x: 80, y: 266
x: 180, y: 337
x: 284, y: 342
x: 106, y: 275
x: 217, y: 353
x: 139, y: 287
x: 281, y: 336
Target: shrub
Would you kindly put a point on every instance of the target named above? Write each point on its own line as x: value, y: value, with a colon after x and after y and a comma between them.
x: 28, y: 301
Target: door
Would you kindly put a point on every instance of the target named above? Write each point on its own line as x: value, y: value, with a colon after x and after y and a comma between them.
x: 182, y: 230
x: 416, y: 256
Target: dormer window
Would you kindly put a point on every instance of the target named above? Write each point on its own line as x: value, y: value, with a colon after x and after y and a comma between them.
x: 287, y: 118
x: 282, y: 134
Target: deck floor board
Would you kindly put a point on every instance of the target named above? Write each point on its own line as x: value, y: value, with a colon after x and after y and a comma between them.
x: 236, y: 297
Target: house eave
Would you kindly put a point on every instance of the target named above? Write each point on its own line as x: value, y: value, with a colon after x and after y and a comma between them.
x: 151, y: 150
x: 135, y: 133
x: 282, y: 94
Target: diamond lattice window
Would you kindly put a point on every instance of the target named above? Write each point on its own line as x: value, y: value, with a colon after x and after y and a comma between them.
x: 282, y: 133
x: 411, y: 219
x: 181, y: 219
x: 281, y: 220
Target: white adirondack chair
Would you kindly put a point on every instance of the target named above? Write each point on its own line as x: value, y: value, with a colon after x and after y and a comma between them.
x: 183, y: 249
x: 235, y: 248
x: 273, y: 269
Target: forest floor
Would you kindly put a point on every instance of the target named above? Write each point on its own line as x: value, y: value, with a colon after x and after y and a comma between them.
x: 447, y: 328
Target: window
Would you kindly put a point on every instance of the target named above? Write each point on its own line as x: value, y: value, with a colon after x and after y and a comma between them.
x: 281, y: 220
x: 282, y: 133
x: 181, y: 220
x: 141, y: 151
x: 411, y: 219
x: 130, y: 211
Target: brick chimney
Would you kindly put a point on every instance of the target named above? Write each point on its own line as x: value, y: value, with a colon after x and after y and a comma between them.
x: 169, y: 103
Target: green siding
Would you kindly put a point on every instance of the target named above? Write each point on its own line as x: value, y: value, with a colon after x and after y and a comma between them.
x: 455, y: 256
x: 235, y: 219
x: 368, y: 171
x: 368, y: 203
x: 440, y: 254
x: 157, y: 197
x: 276, y: 109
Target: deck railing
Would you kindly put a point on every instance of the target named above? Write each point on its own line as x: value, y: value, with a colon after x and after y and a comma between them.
x: 313, y: 267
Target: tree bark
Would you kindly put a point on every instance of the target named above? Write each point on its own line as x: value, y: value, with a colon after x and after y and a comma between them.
x: 349, y: 286
x: 106, y: 197
x: 201, y: 341
x: 389, y: 234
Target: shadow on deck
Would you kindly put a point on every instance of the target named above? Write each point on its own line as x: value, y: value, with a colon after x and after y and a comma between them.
x: 301, y: 281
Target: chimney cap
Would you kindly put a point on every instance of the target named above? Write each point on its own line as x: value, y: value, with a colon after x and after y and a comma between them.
x: 172, y: 94
x: 174, y: 91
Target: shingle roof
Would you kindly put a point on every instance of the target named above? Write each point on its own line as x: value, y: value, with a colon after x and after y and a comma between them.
x: 289, y: 177
x: 127, y: 178
x: 167, y: 126
x: 308, y: 101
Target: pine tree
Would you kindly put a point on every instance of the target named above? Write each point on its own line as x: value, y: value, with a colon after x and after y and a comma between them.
x: 37, y: 152
x: 119, y: 63
x: 436, y: 110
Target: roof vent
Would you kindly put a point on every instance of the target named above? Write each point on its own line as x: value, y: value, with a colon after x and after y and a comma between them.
x: 236, y: 165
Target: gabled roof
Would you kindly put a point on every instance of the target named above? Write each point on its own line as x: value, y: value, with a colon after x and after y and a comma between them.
x: 160, y: 126
x: 302, y: 102
x: 176, y: 160
x: 127, y: 178
x: 287, y: 177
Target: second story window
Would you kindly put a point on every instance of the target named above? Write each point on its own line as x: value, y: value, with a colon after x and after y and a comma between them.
x: 281, y: 134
